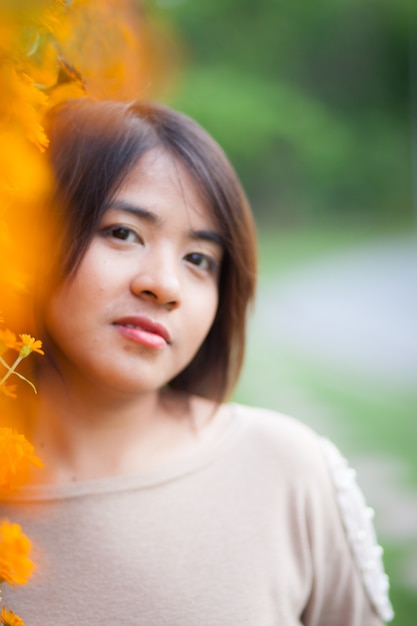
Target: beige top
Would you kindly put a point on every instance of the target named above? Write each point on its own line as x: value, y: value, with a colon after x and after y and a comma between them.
x: 265, y: 528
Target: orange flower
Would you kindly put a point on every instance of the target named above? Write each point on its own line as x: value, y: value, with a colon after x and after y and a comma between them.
x: 21, y: 104
x: 52, y: 14
x: 8, y: 618
x: 8, y: 390
x: 65, y: 91
x: 15, y: 453
x: 15, y: 565
x: 29, y: 344
x: 8, y: 340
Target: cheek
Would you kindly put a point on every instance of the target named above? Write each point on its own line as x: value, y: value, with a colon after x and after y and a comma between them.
x: 60, y: 324
x: 79, y: 295
x: 66, y: 311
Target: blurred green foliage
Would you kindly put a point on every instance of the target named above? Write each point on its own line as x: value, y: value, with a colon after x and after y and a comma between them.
x: 310, y: 100
x: 313, y: 102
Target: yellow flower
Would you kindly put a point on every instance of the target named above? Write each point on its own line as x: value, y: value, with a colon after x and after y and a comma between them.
x: 65, y: 91
x: 15, y: 565
x: 8, y: 390
x: 52, y: 15
x: 29, y: 344
x: 21, y: 105
x: 8, y: 618
x: 8, y: 340
x: 15, y: 453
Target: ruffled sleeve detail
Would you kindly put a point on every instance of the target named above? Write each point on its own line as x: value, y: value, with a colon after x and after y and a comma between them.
x: 357, y: 519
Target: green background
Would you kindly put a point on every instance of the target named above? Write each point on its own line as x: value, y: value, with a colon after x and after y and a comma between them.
x: 316, y: 105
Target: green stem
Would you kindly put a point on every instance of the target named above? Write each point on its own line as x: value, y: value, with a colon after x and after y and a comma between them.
x: 7, y: 366
x: 11, y: 370
x: 3, y: 362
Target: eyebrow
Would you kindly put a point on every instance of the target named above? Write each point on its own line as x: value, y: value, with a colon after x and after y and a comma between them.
x: 207, y: 235
x: 150, y: 217
x: 145, y: 214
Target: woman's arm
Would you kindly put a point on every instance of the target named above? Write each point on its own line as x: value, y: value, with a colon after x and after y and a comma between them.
x: 351, y: 587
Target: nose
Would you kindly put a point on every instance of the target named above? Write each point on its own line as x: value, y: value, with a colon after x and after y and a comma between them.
x: 158, y: 280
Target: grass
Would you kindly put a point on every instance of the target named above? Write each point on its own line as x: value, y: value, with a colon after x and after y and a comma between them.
x: 361, y: 418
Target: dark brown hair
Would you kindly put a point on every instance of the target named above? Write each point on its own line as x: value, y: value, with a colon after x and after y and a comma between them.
x: 94, y: 146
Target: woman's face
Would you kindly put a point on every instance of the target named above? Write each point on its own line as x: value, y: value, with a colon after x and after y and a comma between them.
x: 146, y: 292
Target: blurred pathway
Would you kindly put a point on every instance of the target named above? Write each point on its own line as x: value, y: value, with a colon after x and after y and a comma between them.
x: 356, y: 314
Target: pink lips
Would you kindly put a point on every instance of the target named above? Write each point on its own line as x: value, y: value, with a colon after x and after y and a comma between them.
x: 143, y: 330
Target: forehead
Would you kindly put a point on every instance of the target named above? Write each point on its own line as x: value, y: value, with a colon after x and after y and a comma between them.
x: 160, y: 179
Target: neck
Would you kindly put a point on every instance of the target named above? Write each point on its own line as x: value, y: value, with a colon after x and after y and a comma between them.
x: 85, y: 433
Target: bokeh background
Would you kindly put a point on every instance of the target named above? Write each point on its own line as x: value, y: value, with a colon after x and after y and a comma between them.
x: 316, y: 104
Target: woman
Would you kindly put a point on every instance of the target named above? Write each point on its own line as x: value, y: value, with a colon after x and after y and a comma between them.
x: 159, y: 503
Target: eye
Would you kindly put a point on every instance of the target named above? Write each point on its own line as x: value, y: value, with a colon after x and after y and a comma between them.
x: 202, y: 261
x: 123, y: 233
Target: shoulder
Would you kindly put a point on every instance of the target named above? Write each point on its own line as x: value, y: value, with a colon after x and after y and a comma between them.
x: 271, y: 422
x: 310, y: 467
x: 280, y: 439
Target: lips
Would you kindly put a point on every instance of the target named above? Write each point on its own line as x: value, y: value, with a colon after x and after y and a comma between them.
x: 143, y: 330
